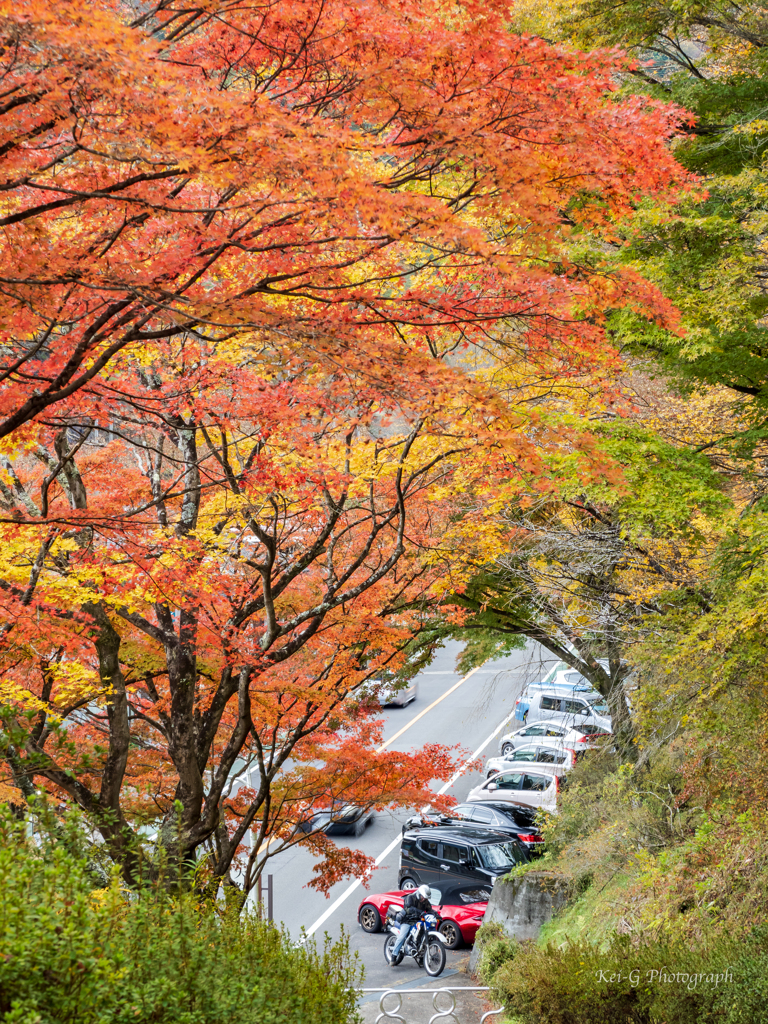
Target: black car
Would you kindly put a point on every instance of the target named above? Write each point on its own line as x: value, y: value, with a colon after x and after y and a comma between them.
x: 449, y: 856
x: 515, y: 822
x: 339, y: 820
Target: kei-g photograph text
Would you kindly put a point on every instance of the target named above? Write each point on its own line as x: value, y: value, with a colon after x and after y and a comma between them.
x: 664, y: 976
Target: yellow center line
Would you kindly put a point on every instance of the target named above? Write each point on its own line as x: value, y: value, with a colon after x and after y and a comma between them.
x: 413, y: 721
x: 421, y: 714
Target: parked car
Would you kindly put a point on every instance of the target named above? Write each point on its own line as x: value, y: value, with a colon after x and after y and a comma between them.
x: 514, y: 822
x: 523, y: 783
x: 572, y: 710
x: 451, y: 856
x: 539, y: 753
x: 562, y: 670
x: 584, y: 733
x: 533, y: 690
x: 342, y: 819
x: 460, y: 908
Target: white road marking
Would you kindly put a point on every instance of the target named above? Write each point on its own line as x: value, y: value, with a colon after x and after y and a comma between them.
x: 421, y: 714
x: 385, y: 853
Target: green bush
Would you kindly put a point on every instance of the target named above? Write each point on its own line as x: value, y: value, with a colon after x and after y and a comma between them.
x: 585, y: 983
x: 496, y: 948
x: 72, y: 954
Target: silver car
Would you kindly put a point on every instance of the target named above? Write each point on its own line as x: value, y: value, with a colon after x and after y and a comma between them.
x: 529, y: 785
x: 552, y: 732
x: 400, y: 697
x: 572, y: 710
x: 389, y: 694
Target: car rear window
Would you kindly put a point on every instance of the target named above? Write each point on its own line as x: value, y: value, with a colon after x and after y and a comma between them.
x: 500, y: 855
x: 521, y: 817
x: 456, y: 897
x: 551, y: 757
x: 536, y: 782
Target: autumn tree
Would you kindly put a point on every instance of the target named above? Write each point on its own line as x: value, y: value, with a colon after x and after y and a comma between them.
x: 273, y: 291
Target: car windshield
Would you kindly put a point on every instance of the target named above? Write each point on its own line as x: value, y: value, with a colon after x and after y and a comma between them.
x: 499, y: 855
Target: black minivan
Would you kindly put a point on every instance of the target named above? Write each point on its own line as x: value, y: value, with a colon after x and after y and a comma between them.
x: 454, y: 855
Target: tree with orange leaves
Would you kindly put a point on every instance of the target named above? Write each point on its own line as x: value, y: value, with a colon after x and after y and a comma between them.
x: 300, y: 284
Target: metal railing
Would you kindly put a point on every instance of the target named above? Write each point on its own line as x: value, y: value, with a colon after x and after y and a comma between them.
x: 450, y: 1011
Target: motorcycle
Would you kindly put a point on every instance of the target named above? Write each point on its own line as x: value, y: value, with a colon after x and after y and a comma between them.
x: 424, y: 943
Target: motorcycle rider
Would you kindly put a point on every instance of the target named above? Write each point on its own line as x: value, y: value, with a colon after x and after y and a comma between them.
x: 415, y: 904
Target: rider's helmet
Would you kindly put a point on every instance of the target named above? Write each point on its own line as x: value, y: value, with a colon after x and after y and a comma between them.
x: 424, y: 891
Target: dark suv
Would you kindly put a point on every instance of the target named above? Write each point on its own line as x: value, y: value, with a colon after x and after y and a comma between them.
x: 515, y: 822
x: 449, y: 856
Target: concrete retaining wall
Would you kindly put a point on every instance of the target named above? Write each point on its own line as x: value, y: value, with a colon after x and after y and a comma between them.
x: 522, y: 905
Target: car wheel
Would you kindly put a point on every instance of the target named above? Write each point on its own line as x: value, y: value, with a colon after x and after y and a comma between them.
x: 407, y: 884
x: 359, y: 827
x: 452, y: 933
x: 370, y: 918
x: 525, y: 717
x: 507, y: 749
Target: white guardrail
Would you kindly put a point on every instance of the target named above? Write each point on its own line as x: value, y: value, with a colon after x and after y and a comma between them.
x: 393, y: 1013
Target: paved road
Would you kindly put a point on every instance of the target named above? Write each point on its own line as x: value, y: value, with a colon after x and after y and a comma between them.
x: 468, y: 716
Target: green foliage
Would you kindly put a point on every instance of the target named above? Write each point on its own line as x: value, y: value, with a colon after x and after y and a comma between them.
x: 644, y: 981
x: 666, y: 486
x: 496, y: 948
x: 706, y: 254
x: 72, y: 953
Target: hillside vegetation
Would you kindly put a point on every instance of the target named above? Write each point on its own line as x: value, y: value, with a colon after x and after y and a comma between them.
x: 665, y: 838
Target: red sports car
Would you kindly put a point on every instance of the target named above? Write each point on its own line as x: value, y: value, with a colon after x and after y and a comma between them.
x: 461, y: 910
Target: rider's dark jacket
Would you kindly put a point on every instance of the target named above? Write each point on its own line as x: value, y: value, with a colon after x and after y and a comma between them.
x: 414, y: 906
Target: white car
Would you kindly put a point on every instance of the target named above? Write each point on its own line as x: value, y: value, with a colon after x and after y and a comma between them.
x: 550, y: 732
x: 529, y: 785
x: 390, y: 694
x: 536, y: 753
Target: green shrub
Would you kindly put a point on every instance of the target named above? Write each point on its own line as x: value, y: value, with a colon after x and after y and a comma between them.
x: 632, y: 981
x: 72, y: 954
x: 496, y: 948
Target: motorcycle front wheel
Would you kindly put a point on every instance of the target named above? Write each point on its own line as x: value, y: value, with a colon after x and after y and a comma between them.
x: 389, y: 945
x: 434, y: 958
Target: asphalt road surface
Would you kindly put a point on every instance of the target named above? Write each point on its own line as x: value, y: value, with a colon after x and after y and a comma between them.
x: 468, y: 714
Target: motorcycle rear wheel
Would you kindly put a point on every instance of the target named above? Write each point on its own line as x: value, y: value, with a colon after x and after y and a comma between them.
x: 434, y: 958
x: 389, y: 945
